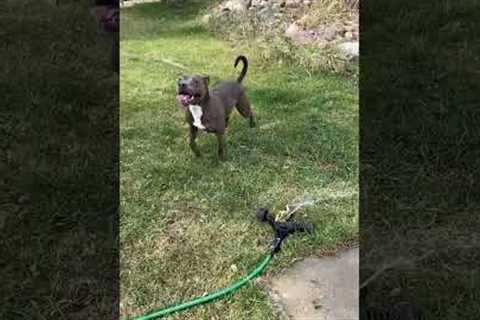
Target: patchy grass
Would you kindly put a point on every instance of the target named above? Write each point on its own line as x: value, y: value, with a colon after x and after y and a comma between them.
x: 188, y: 225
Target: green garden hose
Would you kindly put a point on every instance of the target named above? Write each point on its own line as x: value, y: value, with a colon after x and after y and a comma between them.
x: 281, y: 229
x: 211, y: 297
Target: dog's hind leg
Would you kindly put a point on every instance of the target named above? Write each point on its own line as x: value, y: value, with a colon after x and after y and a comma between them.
x: 221, y: 146
x: 244, y: 108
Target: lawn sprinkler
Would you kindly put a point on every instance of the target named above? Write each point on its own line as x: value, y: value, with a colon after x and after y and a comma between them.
x: 281, y: 229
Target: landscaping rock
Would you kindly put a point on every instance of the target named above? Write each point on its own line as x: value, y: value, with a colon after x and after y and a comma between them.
x: 236, y: 5
x: 297, y: 35
x: 207, y: 18
x: 293, y: 3
x: 330, y: 33
x: 259, y: 3
x: 292, y: 30
x: 350, y: 49
x: 276, y: 5
x: 270, y: 15
x: 293, y: 16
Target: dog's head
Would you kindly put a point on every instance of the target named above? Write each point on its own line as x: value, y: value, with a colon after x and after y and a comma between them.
x: 192, y: 89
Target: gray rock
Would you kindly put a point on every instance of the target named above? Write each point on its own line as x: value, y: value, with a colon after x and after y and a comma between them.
x: 269, y: 14
x: 237, y: 5
x: 330, y: 33
x: 293, y: 3
x: 206, y: 18
x: 258, y: 3
x: 299, y: 36
x: 349, y: 49
x: 292, y: 30
x: 276, y: 6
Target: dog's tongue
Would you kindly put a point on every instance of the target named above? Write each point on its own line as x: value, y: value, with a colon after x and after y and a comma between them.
x: 184, y: 99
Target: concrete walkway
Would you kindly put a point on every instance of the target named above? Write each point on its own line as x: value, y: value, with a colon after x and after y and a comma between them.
x: 319, y: 288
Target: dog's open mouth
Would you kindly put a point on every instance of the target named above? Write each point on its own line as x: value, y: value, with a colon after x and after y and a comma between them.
x: 186, y: 98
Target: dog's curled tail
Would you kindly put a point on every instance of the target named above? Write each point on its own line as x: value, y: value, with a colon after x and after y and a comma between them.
x: 245, y: 67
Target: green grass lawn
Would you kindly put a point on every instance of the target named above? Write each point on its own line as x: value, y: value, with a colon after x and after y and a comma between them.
x: 188, y: 225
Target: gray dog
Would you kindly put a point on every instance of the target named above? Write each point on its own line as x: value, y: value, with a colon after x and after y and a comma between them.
x: 209, y: 110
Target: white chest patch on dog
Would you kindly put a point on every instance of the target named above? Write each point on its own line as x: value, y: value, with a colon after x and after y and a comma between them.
x: 196, y: 112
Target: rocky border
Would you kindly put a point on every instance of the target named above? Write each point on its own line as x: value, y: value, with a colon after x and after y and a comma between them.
x: 291, y: 16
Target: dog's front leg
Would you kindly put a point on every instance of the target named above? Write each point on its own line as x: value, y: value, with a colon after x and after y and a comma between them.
x: 193, y: 137
x: 221, y: 146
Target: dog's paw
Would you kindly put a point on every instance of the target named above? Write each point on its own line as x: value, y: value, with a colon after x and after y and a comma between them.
x: 196, y: 153
x: 252, y: 123
x: 222, y: 157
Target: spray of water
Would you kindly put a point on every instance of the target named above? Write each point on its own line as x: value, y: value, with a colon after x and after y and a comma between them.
x: 290, y: 209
